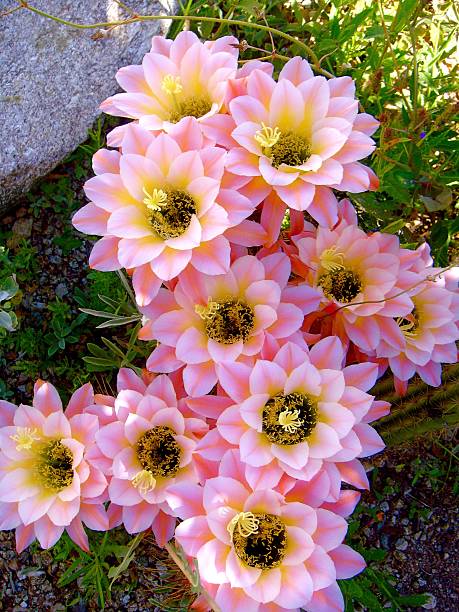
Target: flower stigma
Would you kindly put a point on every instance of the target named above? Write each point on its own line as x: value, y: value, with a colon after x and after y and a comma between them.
x: 169, y: 211
x: 144, y: 481
x: 409, y: 324
x: 227, y: 321
x: 290, y: 421
x: 207, y: 312
x: 172, y: 84
x: 332, y: 260
x: 263, y: 548
x: 267, y: 137
x: 156, y: 200
x: 25, y: 437
x: 246, y: 523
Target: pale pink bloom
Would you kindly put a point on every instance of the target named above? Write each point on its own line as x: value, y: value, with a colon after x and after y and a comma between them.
x: 177, y: 78
x: 303, y: 544
x: 350, y: 267
x: 46, y: 483
x: 159, y: 207
x: 207, y: 320
x: 427, y: 335
x: 297, y: 411
x: 302, y: 135
x: 148, y: 447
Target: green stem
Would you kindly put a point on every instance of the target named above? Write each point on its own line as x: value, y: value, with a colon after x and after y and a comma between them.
x: 221, y: 20
x: 188, y: 574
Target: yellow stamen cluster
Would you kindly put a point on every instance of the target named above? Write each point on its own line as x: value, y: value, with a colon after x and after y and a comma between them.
x: 290, y: 421
x: 156, y: 200
x: 207, y: 312
x: 332, y: 260
x: 267, y: 137
x: 171, y: 84
x: 144, y: 481
x: 246, y: 523
x: 25, y: 437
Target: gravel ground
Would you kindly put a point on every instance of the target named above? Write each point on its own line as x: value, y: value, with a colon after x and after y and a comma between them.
x: 411, y: 512
x: 415, y: 523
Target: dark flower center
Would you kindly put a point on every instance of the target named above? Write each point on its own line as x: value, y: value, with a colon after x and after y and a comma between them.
x: 290, y: 149
x: 228, y: 321
x: 55, y: 466
x: 265, y: 548
x: 158, y: 452
x: 192, y: 106
x: 289, y: 419
x: 173, y: 218
x: 341, y: 285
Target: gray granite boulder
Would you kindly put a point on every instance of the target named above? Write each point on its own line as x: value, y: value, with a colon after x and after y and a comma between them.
x: 53, y: 78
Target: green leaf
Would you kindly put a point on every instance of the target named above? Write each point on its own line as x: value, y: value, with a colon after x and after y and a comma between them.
x: 115, y: 349
x: 96, y: 350
x: 356, y: 21
x: 103, y: 314
x: 8, y: 288
x: 374, y: 31
x: 394, y: 227
x: 6, y: 321
x: 115, y: 322
x: 404, y: 11
x: 115, y: 572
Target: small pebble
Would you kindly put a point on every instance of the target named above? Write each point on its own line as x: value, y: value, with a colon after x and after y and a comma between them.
x: 61, y: 290
x: 431, y: 604
x: 401, y: 544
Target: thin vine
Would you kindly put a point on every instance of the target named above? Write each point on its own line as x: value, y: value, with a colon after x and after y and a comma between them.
x: 315, y: 62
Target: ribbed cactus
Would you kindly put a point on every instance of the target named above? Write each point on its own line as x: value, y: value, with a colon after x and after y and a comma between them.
x: 421, y: 411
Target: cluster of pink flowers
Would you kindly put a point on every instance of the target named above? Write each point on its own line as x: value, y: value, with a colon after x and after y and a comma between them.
x: 271, y: 329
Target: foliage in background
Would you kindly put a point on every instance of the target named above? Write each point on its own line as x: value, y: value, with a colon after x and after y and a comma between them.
x: 403, y: 58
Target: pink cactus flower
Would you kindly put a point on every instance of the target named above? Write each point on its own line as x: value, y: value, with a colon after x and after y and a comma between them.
x: 207, y: 320
x: 350, y: 267
x: 301, y: 153
x: 46, y: 483
x: 148, y: 447
x: 258, y: 548
x: 298, y: 410
x: 177, y: 79
x: 159, y: 206
x: 427, y: 336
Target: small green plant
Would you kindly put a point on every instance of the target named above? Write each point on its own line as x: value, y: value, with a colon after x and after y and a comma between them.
x: 63, y: 330
x: 372, y: 589
x: 67, y: 241
x: 118, y: 354
x: 8, y: 289
x: 22, y: 262
x: 56, y: 195
x: 92, y: 568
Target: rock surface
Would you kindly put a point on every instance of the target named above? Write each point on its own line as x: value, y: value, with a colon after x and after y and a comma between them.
x: 53, y: 78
